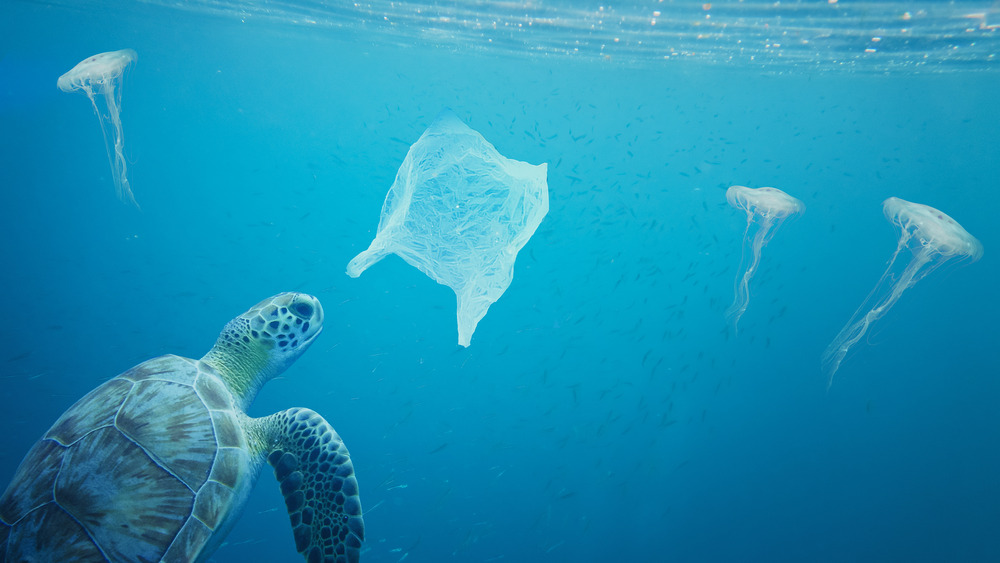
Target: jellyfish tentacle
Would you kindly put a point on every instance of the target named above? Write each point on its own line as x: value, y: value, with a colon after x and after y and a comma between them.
x: 853, y: 332
x: 119, y: 165
x: 739, y: 305
x: 763, y: 235
x: 855, y: 328
x: 107, y: 134
x: 934, y: 238
x: 766, y: 208
x: 104, y: 71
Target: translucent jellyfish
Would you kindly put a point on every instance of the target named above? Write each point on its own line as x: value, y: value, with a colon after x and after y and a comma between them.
x: 934, y: 238
x: 459, y: 211
x: 766, y: 209
x: 102, y: 74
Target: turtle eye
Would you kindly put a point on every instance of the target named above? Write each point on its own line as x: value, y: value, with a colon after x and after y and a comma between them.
x: 303, y: 309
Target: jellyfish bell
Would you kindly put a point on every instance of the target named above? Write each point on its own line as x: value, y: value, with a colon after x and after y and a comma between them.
x: 101, y: 68
x: 101, y: 75
x: 766, y: 208
x: 936, y: 232
x: 765, y: 203
x: 933, y: 238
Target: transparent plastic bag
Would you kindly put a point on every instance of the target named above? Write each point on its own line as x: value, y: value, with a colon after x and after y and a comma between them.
x: 459, y: 211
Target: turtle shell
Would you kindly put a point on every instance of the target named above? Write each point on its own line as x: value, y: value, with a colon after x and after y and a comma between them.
x: 145, y: 467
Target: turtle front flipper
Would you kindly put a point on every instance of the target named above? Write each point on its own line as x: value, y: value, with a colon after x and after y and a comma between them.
x: 316, y: 476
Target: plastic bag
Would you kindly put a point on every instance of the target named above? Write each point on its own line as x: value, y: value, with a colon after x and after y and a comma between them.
x: 459, y: 211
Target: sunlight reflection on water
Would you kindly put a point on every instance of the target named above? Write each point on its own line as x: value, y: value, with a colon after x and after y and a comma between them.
x: 921, y: 35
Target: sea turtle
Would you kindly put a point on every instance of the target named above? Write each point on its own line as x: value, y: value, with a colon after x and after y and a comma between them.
x: 157, y: 463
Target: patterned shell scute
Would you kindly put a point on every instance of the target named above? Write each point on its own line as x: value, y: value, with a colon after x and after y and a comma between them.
x: 62, y: 535
x: 212, y: 503
x: 132, y: 507
x: 33, y: 481
x: 133, y: 470
x: 173, y: 425
x: 229, y: 468
x: 213, y: 391
x: 167, y: 368
x: 94, y: 410
x: 189, y: 542
x: 227, y: 430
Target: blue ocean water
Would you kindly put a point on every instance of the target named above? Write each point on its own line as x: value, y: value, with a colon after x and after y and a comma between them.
x: 604, y: 410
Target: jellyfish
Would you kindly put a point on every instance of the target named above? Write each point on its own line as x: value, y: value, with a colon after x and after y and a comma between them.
x: 102, y: 74
x: 766, y: 208
x: 933, y: 238
x: 459, y: 211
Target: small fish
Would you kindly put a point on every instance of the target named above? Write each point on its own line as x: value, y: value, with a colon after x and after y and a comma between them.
x: 20, y: 356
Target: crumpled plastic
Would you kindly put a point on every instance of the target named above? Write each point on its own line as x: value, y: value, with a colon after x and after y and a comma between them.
x: 459, y: 211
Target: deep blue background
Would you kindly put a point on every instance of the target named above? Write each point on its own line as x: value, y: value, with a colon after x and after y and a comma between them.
x: 604, y: 411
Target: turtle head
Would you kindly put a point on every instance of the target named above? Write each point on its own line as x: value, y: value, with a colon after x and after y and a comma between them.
x: 262, y: 342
